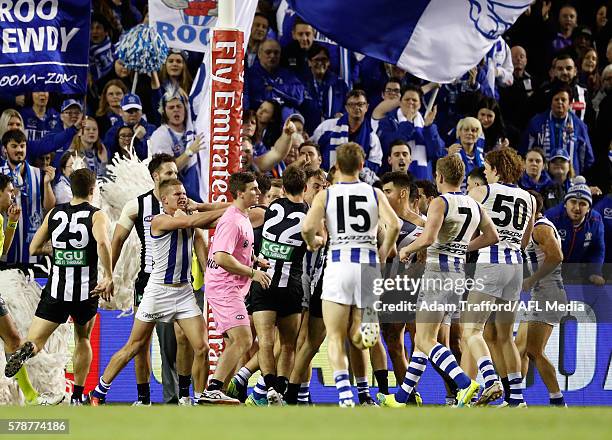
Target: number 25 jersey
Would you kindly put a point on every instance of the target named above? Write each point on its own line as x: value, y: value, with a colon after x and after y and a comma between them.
x: 352, y: 223
x: 510, y: 209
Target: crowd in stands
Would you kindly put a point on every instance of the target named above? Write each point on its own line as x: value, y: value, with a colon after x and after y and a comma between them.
x: 544, y: 88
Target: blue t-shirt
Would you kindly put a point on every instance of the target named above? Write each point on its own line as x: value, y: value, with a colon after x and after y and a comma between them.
x: 37, y: 128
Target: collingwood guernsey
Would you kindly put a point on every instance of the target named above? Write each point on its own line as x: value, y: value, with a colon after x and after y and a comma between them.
x: 282, y: 244
x: 74, y: 271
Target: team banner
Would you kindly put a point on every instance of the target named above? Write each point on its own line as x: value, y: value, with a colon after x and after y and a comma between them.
x: 45, y: 46
x: 184, y: 24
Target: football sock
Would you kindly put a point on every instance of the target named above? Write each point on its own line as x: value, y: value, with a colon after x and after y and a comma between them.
x: 417, y: 365
x: 556, y: 399
x: 77, y: 393
x: 243, y: 375
x: 184, y: 385
x: 291, y: 396
x: 144, y: 392
x: 506, y: 385
x: 485, y: 366
x: 260, y: 391
x: 363, y: 389
x: 382, y: 380
x: 304, y: 393
x: 101, y: 389
x: 516, y: 388
x: 444, y: 359
x: 214, y: 385
x: 23, y: 380
x: 281, y: 384
x: 343, y: 385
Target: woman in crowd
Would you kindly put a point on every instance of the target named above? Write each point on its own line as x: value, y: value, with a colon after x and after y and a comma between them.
x: 588, y: 74
x: 10, y: 120
x: 39, y: 119
x: 469, y: 130
x: 62, y: 190
x: 87, y: 145
x: 109, y: 110
x: 123, y: 140
x: 174, y: 73
x: 268, y: 117
x: 535, y: 176
x: 493, y: 128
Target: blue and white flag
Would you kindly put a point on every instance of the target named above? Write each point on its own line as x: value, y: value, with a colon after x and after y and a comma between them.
x: 45, y: 46
x: 437, y: 40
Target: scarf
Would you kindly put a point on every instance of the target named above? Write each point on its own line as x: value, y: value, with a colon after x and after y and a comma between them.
x: 340, y: 135
x: 565, y: 138
x: 527, y: 183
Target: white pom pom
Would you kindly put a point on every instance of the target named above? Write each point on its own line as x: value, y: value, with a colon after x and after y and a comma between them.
x: 579, y: 180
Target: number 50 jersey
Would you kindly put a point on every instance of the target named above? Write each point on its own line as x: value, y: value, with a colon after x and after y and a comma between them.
x: 352, y: 223
x: 282, y: 243
x: 510, y: 209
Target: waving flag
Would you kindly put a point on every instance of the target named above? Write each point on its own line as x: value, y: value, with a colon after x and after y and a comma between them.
x: 438, y: 40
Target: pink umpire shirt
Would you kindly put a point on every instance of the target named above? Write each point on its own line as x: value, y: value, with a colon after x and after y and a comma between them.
x: 233, y: 235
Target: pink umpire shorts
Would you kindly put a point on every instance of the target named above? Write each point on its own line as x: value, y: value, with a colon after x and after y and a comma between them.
x: 229, y: 311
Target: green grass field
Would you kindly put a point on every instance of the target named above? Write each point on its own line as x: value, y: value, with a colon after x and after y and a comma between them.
x: 319, y: 423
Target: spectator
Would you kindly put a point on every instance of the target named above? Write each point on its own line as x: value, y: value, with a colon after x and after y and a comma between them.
x: 296, y: 54
x: 583, y: 41
x: 407, y: 123
x: 604, y: 90
x: 34, y: 195
x: 269, y: 119
x: 604, y: 208
x: 589, y: 72
x: 275, y: 192
x: 268, y: 161
x: 561, y: 172
x: 469, y: 130
x: 324, y: 92
x: 266, y: 80
x: 56, y: 142
x: 176, y: 138
x: 39, y: 119
x: 109, y: 108
x: 310, y: 153
x: 601, y: 32
x: 259, y: 30
x: 87, y: 145
x: 400, y: 156
x: 559, y: 128
x: 582, y: 233
x: 352, y: 126
x: 101, y: 51
x: 493, y: 127
x: 568, y: 19
x: 299, y: 122
x: 131, y: 116
x: 514, y: 100
x: 174, y: 73
x: 62, y: 189
x: 565, y: 72
x: 123, y: 139
x: 535, y: 176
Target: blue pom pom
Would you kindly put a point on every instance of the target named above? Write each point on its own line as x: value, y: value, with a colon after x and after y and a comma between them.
x: 142, y: 49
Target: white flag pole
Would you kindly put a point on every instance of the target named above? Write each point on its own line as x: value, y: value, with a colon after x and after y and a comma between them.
x: 227, y: 14
x: 432, y: 100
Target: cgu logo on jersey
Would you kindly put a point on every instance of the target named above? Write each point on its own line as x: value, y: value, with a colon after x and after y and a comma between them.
x: 276, y: 251
x: 69, y: 257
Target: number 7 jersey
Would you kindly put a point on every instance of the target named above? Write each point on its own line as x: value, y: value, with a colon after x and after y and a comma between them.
x: 352, y: 222
x: 510, y: 209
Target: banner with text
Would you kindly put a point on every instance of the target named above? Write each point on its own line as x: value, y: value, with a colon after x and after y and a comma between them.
x: 45, y: 46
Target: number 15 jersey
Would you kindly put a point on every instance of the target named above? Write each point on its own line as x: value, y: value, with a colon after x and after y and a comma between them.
x: 352, y: 223
x: 510, y: 209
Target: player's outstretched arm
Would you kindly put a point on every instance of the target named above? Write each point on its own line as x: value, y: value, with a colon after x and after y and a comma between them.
x: 391, y: 222
x: 164, y: 223
x: 99, y: 230
x: 41, y: 237
x: 529, y: 230
x: 553, y: 255
x: 313, y: 220
x: 435, y: 218
x: 200, y: 246
x: 488, y: 234
x: 123, y: 228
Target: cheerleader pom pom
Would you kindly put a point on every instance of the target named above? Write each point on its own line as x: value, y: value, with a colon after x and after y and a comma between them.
x: 142, y: 49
